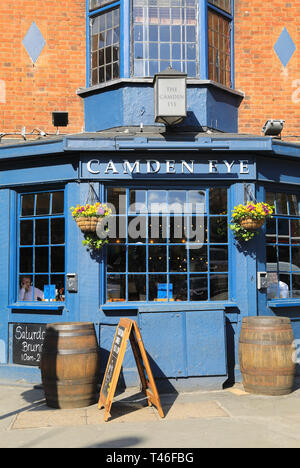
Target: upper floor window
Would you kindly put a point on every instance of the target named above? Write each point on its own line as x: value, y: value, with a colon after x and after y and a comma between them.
x: 219, y: 42
x: 165, y: 33
x: 190, y: 36
x: 105, y: 44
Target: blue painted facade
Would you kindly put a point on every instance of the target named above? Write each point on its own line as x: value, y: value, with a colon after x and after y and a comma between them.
x: 190, y: 345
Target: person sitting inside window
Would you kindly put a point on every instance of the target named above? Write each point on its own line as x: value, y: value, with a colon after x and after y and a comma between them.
x: 273, y: 287
x: 27, y: 292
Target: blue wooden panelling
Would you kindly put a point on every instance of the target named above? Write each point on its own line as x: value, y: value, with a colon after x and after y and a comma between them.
x: 5, y: 208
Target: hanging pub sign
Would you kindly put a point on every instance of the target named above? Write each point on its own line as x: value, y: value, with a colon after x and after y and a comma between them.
x: 170, y: 96
x: 127, y: 330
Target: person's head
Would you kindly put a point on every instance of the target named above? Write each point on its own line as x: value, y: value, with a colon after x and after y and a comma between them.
x: 25, y: 282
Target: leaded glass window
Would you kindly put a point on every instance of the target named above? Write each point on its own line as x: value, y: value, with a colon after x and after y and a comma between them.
x: 165, y: 34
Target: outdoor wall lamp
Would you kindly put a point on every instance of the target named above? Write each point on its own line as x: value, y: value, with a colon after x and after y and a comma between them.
x: 273, y: 127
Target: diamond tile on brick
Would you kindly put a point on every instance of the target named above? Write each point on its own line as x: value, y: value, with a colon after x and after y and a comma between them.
x: 285, y: 47
x: 34, y: 42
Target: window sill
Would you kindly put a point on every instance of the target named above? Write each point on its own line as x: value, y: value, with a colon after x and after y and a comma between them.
x: 275, y: 303
x: 40, y: 305
x: 168, y: 306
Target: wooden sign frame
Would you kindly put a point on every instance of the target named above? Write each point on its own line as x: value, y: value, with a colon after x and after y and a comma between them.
x: 127, y: 330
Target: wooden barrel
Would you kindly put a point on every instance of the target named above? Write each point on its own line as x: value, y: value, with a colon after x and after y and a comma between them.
x: 266, y: 355
x: 70, y: 365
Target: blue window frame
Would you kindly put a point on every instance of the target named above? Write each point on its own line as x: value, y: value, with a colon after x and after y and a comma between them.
x: 41, y: 246
x: 283, y: 246
x: 104, y: 47
x: 167, y: 245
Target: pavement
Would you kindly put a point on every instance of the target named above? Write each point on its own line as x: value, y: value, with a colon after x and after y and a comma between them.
x: 229, y: 418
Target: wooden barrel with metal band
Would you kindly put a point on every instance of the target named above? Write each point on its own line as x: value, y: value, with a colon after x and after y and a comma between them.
x: 266, y: 355
x: 70, y: 365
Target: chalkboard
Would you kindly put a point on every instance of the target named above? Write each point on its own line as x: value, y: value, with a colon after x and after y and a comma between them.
x: 127, y: 330
x: 119, y: 339
x: 28, y: 339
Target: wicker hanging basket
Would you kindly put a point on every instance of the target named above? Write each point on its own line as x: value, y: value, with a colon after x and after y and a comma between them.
x: 251, y: 224
x: 86, y: 224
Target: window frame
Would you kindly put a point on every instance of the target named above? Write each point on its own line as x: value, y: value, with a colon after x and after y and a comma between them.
x: 126, y: 37
x: 127, y: 303
x: 15, y: 273
x: 277, y: 244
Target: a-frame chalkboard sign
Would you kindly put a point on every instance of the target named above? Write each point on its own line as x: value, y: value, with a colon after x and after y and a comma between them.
x: 127, y: 329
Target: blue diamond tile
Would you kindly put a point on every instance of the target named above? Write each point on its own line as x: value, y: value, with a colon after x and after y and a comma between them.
x: 285, y: 47
x: 34, y: 42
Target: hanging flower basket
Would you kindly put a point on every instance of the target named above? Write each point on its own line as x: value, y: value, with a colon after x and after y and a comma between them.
x: 248, y: 219
x: 88, y: 217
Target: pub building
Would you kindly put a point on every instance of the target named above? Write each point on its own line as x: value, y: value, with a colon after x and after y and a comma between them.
x: 161, y: 148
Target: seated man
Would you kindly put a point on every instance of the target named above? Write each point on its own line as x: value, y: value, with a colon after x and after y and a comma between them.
x: 27, y: 292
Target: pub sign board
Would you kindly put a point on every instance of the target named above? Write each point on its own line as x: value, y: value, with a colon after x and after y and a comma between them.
x: 28, y: 339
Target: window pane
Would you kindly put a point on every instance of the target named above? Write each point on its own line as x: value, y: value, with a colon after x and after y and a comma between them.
x: 179, y: 287
x: 27, y: 204
x: 198, y: 288
x: 116, y: 259
x: 40, y: 281
x: 136, y: 259
x: 42, y: 204
x: 42, y: 232
x: 58, y: 231
x: 116, y: 288
x: 218, y: 201
x: 42, y: 260
x: 296, y: 285
x: 223, y: 4
x: 177, y: 258
x: 281, y: 203
x: 137, y: 288
x: 137, y: 201
x: 295, y: 231
x: 57, y: 259
x: 157, y: 289
x: 157, y: 259
x: 117, y: 200
x: 158, y: 229
x: 218, y: 229
x: 295, y: 258
x: 293, y: 204
x: 26, y: 260
x: 198, y: 258
x: 57, y: 202
x: 218, y: 287
x: 59, y: 282
x: 218, y: 258
x: 157, y: 27
x: 219, y: 61
x: 198, y: 229
x: 137, y: 229
x: 26, y: 232
x: 283, y: 231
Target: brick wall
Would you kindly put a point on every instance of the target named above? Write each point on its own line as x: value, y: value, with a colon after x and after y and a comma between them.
x: 29, y: 92
x: 272, y: 89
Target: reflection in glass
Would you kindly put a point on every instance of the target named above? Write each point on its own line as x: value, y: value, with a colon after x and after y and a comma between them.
x: 117, y: 229
x: 197, y: 201
x: 270, y: 198
x: 26, y: 232
x: 198, y: 288
x: 157, y: 259
x: 293, y: 204
x: 176, y: 201
x: 137, y: 201
x: 178, y: 258
x: 218, y: 258
x: 116, y: 258
x: 42, y: 232
x: 219, y: 287
x: 27, y: 204
x: 136, y: 259
x: 137, y: 229
x: 137, y: 288
x: 117, y: 200
x: 157, y: 201
x: 179, y: 287
x: 281, y: 203
x: 157, y: 229
x: 218, y: 229
x: 283, y: 230
x: 295, y: 258
x: 296, y: 285
x: 284, y: 255
x: 198, y: 229
x: 271, y: 230
x: 42, y: 204
x: 295, y: 231
x: 218, y: 201
x: 116, y: 288
x: 198, y: 258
